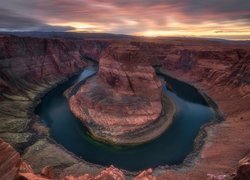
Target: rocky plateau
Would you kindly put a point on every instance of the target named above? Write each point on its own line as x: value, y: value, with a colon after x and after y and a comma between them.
x: 122, y: 104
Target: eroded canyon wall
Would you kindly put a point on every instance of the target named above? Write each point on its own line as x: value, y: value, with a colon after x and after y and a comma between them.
x: 28, y: 68
x: 34, y: 60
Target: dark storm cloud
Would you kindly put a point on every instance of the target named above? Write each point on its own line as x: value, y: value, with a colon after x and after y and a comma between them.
x: 11, y: 21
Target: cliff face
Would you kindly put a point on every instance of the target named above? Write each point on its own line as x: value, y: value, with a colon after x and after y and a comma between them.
x: 29, y: 66
x: 9, y: 161
x: 222, y: 71
x: 123, y: 99
x: 217, y: 63
x: 33, y: 60
x: 220, y: 67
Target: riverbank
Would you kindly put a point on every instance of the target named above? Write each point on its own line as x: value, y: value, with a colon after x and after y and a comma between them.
x: 33, y: 140
x: 122, y: 104
x: 223, y: 143
x: 146, y: 133
x: 151, y: 131
x: 80, y: 141
x: 200, y: 139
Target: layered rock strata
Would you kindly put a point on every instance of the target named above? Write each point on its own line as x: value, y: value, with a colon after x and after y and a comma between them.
x: 222, y: 70
x: 9, y: 161
x: 123, y: 103
x: 28, y: 68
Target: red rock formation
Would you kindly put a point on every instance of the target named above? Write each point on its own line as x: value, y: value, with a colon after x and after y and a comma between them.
x: 48, y: 172
x: 123, y: 99
x: 25, y: 168
x: 35, y: 60
x: 110, y: 173
x: 30, y: 176
x: 222, y: 71
x: 9, y: 161
x: 26, y: 172
x: 28, y: 68
x: 243, y: 172
x: 145, y: 175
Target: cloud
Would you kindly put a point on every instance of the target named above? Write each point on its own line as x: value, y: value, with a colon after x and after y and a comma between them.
x: 129, y: 16
x: 219, y: 31
x: 11, y: 21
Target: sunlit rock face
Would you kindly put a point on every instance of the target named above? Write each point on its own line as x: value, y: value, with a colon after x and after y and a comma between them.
x: 9, y: 161
x: 122, y: 99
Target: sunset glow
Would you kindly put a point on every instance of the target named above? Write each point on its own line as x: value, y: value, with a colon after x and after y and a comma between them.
x: 196, y: 18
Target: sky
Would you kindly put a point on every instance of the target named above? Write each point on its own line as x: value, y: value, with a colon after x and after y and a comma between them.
x: 227, y: 19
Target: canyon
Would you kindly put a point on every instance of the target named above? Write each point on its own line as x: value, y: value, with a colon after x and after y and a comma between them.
x: 31, y: 66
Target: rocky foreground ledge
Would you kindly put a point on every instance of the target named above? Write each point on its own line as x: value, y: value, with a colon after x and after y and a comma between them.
x: 124, y: 102
x: 13, y: 167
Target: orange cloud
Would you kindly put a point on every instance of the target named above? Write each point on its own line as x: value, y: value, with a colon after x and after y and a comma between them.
x: 217, y: 18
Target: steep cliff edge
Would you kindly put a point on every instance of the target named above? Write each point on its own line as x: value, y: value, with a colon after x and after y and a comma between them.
x: 9, y: 161
x: 28, y: 68
x: 123, y: 103
x: 26, y: 61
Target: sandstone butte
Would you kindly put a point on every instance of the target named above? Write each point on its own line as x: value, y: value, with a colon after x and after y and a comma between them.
x: 123, y: 103
x: 30, y: 66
